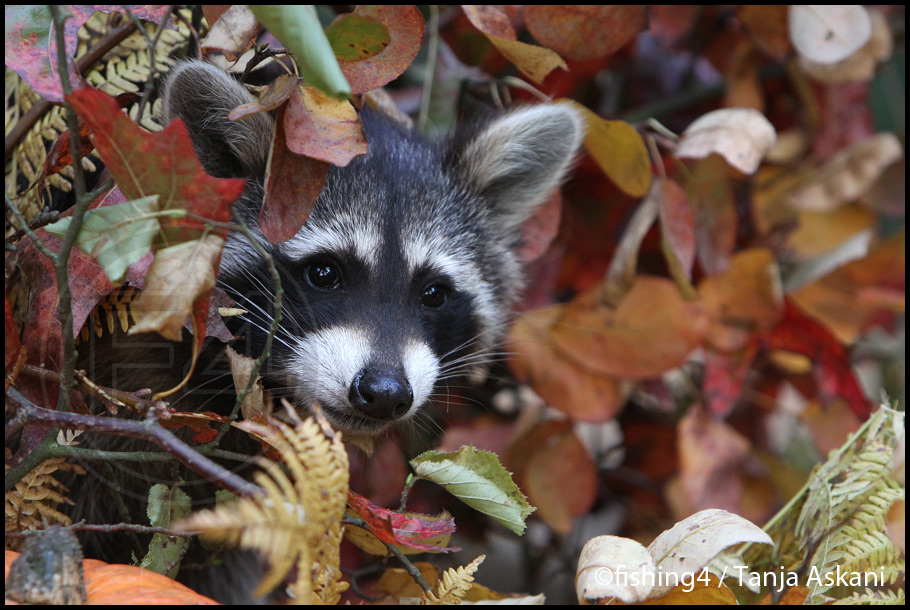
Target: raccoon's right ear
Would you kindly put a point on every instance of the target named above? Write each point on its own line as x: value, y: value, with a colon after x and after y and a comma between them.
x: 203, y: 95
x: 518, y: 159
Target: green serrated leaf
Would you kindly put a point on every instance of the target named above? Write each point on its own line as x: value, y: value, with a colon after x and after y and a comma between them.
x: 116, y: 235
x: 479, y: 480
x: 298, y: 27
x: 167, y: 505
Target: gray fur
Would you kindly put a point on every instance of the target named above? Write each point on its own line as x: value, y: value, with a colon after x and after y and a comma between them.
x: 448, y: 211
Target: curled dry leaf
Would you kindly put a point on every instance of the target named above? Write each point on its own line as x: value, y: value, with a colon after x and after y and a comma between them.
x: 691, y: 544
x: 742, y: 136
x: 829, y: 33
x: 859, y: 66
x: 614, y: 567
x: 848, y: 174
x: 178, y: 276
x: 233, y: 32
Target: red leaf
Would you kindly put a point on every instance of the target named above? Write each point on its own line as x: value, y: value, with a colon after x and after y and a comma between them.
x: 162, y: 164
x: 406, y: 529
x: 12, y: 347
x: 404, y: 26
x: 800, y: 334
x: 292, y: 186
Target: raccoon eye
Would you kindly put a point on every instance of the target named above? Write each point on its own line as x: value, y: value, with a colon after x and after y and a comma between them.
x: 434, y: 296
x: 323, y: 275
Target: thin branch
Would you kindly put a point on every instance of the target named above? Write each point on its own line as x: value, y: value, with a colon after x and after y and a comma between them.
x: 150, y: 430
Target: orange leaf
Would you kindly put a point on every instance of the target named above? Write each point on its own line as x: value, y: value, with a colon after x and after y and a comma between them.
x: 651, y: 331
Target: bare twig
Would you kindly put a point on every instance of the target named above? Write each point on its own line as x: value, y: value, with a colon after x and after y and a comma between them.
x: 29, y: 413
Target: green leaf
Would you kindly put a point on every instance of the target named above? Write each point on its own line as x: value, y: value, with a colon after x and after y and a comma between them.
x: 117, y: 235
x: 298, y: 27
x: 479, y: 480
x: 355, y: 37
x: 166, y: 506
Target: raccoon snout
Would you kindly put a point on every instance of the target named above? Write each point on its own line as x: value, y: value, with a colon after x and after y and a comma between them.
x: 381, y: 394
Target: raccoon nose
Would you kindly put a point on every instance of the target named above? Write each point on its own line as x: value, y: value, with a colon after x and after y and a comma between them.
x: 380, y: 393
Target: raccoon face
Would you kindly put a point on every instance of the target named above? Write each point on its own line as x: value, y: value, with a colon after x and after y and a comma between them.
x: 404, y: 274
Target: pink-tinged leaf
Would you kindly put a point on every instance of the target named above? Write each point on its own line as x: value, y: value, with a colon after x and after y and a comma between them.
x: 376, y: 43
x: 31, y: 49
x: 585, y: 32
x: 31, y: 42
x: 725, y: 375
x: 677, y: 223
x: 292, y: 186
x: 408, y: 529
x: 323, y: 127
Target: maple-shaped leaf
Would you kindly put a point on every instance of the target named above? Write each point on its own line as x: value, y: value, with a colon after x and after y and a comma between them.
x: 411, y: 530
x: 162, y: 164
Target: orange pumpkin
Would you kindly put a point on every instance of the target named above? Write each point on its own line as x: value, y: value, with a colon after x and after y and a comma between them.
x: 107, y: 584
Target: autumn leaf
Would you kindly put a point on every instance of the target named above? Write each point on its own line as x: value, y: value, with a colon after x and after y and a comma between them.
x: 742, y: 136
x: 376, y: 43
x: 619, y: 150
x: 293, y: 184
x: 585, y: 32
x: 412, y: 530
x: 536, y: 62
x: 162, y: 164
x: 564, y: 384
x: 651, y: 331
x: 547, y: 457
x: 323, y: 128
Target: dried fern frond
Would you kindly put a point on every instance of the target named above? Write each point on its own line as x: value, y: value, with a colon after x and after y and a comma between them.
x: 34, y: 500
x: 298, y: 521
x: 837, y: 522
x: 454, y: 584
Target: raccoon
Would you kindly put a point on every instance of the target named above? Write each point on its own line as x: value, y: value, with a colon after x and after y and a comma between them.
x: 406, y: 266
x: 403, y: 276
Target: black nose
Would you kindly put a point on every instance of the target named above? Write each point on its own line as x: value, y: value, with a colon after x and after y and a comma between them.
x: 381, y: 393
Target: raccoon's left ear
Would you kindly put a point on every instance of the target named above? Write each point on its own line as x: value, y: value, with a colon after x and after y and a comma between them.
x: 517, y: 160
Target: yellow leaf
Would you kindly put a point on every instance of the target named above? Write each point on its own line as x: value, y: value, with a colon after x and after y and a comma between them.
x: 619, y: 150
